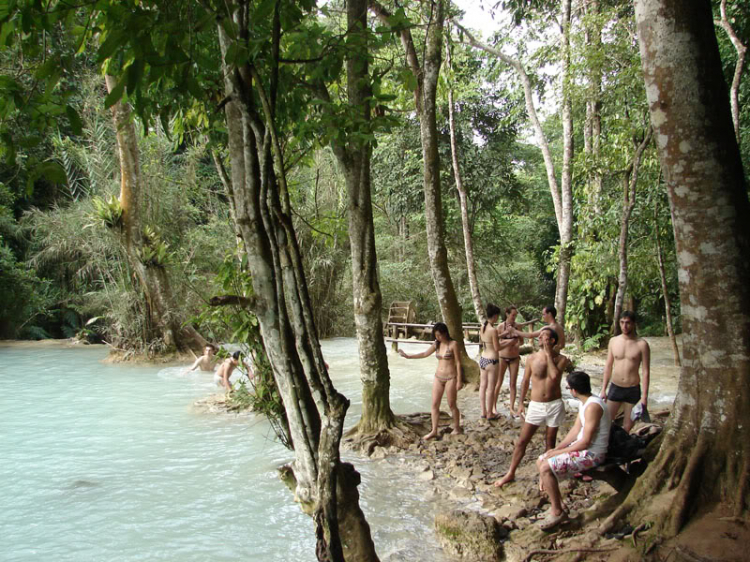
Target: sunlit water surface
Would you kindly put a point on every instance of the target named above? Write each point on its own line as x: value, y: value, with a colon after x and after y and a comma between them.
x: 110, y: 462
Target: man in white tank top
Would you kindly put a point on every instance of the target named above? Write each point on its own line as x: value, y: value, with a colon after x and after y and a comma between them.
x: 583, y: 448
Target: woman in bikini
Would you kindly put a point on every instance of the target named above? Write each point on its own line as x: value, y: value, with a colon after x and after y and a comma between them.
x: 510, y: 355
x: 447, y: 377
x: 488, y: 363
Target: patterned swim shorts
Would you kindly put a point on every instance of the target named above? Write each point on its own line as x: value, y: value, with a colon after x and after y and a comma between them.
x: 567, y: 464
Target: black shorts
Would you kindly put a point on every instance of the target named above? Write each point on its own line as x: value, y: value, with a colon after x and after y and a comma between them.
x: 629, y: 394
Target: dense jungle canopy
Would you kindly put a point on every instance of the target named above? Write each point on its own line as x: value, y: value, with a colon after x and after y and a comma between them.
x: 313, y: 163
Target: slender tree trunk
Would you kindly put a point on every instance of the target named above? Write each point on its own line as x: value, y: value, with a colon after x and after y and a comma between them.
x: 464, y: 203
x: 630, y: 183
x: 315, y: 410
x: 734, y: 92
x: 425, y: 100
x: 355, y: 158
x: 566, y: 179
x: 152, y: 277
x: 593, y: 124
x: 561, y: 199
x: 705, y: 455
x: 664, y: 289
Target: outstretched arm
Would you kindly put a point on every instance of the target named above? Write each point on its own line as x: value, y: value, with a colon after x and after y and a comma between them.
x: 430, y: 351
x: 195, y: 365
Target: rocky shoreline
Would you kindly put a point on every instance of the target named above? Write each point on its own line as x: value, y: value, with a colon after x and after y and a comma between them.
x: 474, y: 520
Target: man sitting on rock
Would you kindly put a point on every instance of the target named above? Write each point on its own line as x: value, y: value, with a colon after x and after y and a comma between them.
x: 583, y: 448
x: 544, y: 370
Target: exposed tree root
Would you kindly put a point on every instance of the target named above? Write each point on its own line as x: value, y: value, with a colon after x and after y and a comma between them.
x: 403, y: 433
x: 533, y: 553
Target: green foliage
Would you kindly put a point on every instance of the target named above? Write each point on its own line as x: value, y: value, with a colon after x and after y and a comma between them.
x: 154, y: 252
x: 108, y: 212
x: 240, y: 326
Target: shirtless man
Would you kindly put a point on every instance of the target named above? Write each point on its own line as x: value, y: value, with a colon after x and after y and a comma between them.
x: 627, y: 354
x: 206, y: 361
x: 545, y: 369
x: 221, y: 378
x: 549, y: 314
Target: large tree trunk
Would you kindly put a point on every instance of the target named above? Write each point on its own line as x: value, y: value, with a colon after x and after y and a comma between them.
x: 425, y: 99
x: 152, y: 276
x: 315, y: 410
x: 629, y: 185
x: 355, y: 159
x: 463, y: 199
x: 705, y: 455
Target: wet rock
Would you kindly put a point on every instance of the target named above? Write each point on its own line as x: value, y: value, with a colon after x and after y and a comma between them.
x: 470, y: 535
x: 460, y: 494
x: 426, y: 475
x: 511, y: 512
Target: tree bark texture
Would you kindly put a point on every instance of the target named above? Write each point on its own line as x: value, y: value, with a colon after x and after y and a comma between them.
x: 630, y: 183
x: 315, y: 410
x: 152, y: 279
x: 425, y: 100
x: 593, y: 125
x: 566, y: 179
x: 463, y: 199
x: 355, y: 157
x: 664, y: 288
x: 705, y: 455
x: 734, y: 92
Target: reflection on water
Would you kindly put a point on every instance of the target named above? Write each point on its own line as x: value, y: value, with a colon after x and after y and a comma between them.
x: 109, y: 462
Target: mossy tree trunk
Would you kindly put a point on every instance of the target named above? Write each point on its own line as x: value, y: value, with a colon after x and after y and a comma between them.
x: 355, y: 156
x: 705, y: 455
x: 151, y: 276
x: 315, y: 410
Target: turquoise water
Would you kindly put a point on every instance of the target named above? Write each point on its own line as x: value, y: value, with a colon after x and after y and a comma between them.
x: 110, y: 462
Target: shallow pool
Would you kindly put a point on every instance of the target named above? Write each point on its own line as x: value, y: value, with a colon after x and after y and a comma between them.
x: 110, y: 462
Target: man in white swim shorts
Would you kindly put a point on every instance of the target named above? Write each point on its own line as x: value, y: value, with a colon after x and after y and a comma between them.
x: 544, y: 369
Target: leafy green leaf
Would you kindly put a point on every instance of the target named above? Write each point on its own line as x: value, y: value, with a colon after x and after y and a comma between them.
x: 76, y: 124
x: 115, y: 95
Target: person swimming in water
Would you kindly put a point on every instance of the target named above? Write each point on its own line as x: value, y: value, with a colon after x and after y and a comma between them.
x: 206, y: 362
x: 448, y: 377
x: 221, y: 378
x: 488, y: 363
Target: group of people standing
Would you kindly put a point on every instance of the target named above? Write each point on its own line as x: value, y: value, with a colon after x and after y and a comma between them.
x: 626, y: 373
